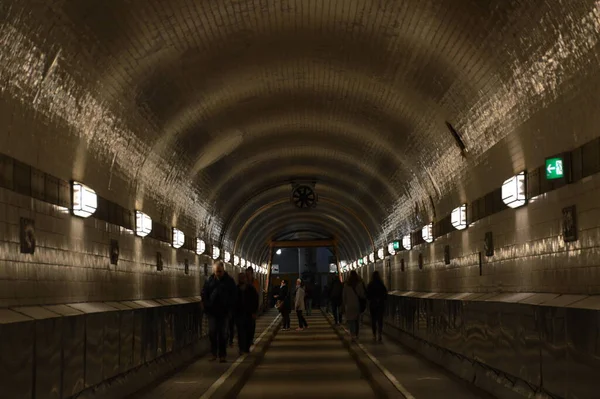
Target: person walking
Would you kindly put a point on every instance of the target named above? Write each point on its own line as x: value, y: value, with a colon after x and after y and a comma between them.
x: 335, y: 299
x: 300, y: 306
x: 245, y: 312
x: 355, y: 302
x: 284, y: 304
x: 377, y: 296
x: 218, y: 299
x: 254, y: 283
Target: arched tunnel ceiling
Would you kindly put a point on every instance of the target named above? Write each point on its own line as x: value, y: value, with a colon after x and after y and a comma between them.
x: 207, y: 110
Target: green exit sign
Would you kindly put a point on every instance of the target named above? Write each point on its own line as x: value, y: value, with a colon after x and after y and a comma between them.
x: 396, y: 245
x: 555, y: 168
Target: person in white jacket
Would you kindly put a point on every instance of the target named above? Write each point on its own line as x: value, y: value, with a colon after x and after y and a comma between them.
x: 299, y: 305
x: 354, y: 298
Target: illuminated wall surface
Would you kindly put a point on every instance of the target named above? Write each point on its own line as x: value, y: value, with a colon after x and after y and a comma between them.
x: 205, y: 115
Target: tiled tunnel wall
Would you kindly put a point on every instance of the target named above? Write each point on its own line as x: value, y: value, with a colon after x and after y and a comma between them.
x: 71, y: 262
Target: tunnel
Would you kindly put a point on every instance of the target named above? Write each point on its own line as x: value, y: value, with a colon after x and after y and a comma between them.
x: 158, y: 154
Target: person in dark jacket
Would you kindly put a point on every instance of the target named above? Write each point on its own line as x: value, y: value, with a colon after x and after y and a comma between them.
x: 245, y: 312
x: 218, y: 299
x: 286, y: 305
x: 377, y: 296
x: 335, y: 299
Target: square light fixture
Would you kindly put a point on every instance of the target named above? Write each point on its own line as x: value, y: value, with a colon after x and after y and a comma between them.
x: 216, y: 252
x: 227, y: 257
x: 391, y: 248
x: 459, y: 217
x: 200, y: 246
x: 243, y: 262
x: 143, y: 224
x: 427, y: 232
x: 236, y: 260
x: 396, y: 245
x: 514, y: 192
x: 366, y: 260
x: 372, y: 257
x: 380, y: 253
x: 360, y: 261
x: 85, y: 200
x: 407, y: 242
x: 178, y: 238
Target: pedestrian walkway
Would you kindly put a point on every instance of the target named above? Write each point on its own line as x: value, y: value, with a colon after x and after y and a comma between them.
x: 194, y: 380
x: 307, y: 364
x: 415, y: 376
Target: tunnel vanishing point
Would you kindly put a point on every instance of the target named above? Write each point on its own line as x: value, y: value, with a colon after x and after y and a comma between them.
x: 451, y: 145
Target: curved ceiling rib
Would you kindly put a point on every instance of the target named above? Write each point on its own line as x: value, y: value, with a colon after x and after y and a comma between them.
x: 265, y: 214
x: 244, y: 209
x: 205, y: 111
x: 259, y: 233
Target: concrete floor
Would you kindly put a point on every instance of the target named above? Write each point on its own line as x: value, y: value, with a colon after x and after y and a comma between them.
x: 192, y: 381
x: 308, y: 364
x: 315, y: 364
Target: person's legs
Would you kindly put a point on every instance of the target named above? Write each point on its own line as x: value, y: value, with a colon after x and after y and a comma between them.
x: 251, y: 325
x: 213, y: 336
x: 287, y: 320
x: 380, y: 323
x: 231, y: 327
x: 305, y: 324
x: 334, y: 310
x: 250, y: 328
x: 352, y: 328
x: 299, y: 315
x: 222, y: 331
x: 241, y: 333
x: 374, y: 319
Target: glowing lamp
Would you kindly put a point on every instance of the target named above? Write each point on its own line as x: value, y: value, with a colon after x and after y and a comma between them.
x: 514, y: 191
x: 85, y: 200
x: 459, y: 217
x: 407, y: 242
x: 427, y: 232
x: 200, y: 246
x: 143, y: 224
x: 178, y: 238
x: 391, y: 248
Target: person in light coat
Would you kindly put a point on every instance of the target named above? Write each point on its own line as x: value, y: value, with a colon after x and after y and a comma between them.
x: 299, y: 305
x: 354, y: 291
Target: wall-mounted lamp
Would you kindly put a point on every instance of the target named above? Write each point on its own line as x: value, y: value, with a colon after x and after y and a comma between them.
x: 427, y: 232
x: 391, y: 249
x: 243, y: 262
x: 216, y: 252
x: 200, y: 246
x: 227, y: 257
x: 85, y: 200
x: 459, y: 217
x: 407, y: 242
x: 143, y: 224
x: 236, y: 260
x: 278, y: 252
x: 178, y: 238
x: 380, y: 253
x: 514, y: 191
